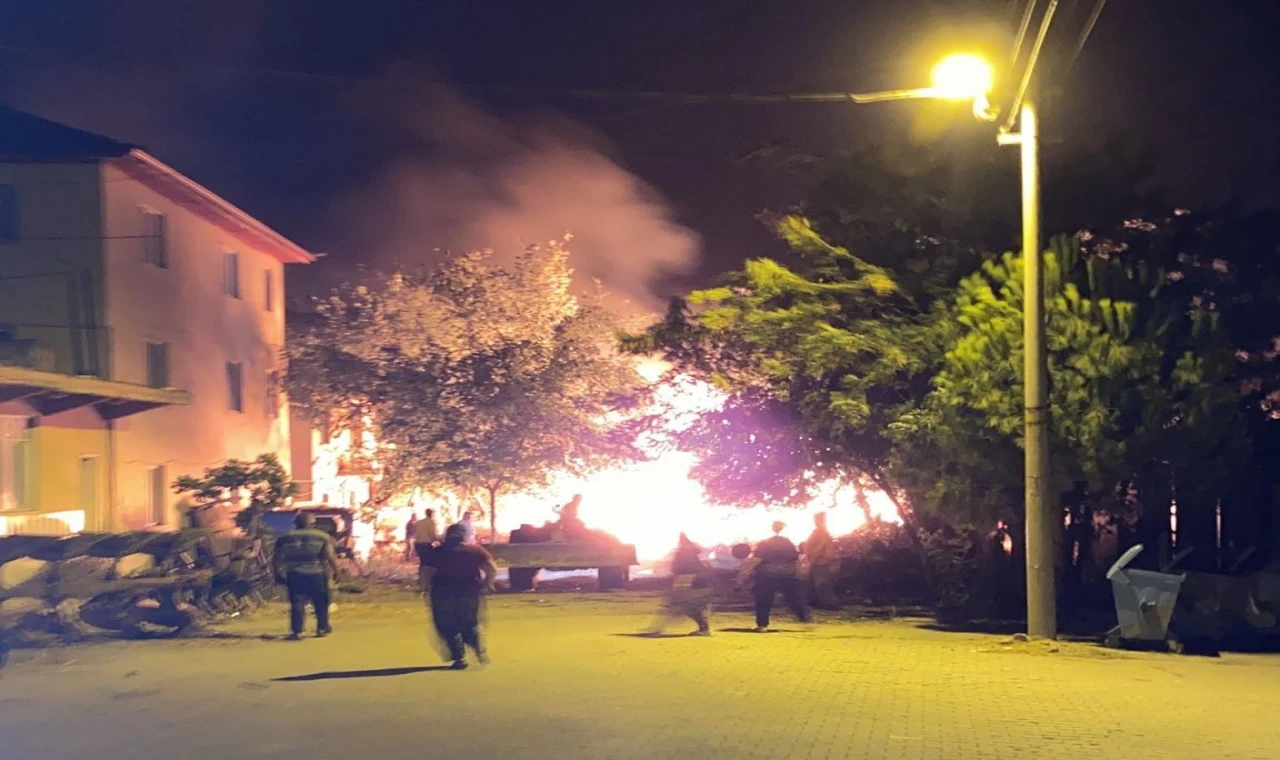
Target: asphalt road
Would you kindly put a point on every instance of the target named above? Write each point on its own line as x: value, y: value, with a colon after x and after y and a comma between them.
x: 568, y: 680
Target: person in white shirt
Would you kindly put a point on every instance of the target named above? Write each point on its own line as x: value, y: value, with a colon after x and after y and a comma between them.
x: 468, y: 530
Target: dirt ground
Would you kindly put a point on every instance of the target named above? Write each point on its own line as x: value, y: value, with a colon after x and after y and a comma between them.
x: 571, y: 680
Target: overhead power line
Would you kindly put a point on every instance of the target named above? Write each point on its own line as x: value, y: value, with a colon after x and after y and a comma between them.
x: 1088, y: 30
x: 1032, y: 59
x: 68, y: 59
x: 1022, y: 32
x: 689, y: 97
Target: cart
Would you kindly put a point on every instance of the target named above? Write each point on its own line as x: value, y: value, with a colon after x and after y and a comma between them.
x: 1145, y: 602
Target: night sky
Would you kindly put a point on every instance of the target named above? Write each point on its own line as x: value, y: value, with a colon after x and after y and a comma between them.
x: 386, y: 130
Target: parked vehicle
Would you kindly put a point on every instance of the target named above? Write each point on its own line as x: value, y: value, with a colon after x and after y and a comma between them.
x: 336, y: 521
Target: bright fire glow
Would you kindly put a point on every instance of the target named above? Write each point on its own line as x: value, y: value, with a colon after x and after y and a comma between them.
x: 647, y: 503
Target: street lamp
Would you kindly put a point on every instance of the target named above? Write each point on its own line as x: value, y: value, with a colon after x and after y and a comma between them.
x: 969, y: 77
x: 962, y: 77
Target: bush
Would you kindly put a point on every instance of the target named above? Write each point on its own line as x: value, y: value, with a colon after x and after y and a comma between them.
x: 951, y: 561
x: 880, y: 565
x: 963, y: 573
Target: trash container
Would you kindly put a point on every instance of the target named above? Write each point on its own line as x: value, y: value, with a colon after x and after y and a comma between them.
x: 1145, y: 601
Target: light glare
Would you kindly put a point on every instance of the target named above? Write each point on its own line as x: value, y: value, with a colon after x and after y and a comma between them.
x: 962, y: 77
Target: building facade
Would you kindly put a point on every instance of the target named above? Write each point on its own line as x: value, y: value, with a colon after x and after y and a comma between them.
x: 120, y: 273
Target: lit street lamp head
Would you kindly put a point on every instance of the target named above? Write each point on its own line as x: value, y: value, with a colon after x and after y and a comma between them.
x: 962, y: 77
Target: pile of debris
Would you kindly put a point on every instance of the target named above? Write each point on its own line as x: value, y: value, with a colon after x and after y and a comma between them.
x: 139, y: 583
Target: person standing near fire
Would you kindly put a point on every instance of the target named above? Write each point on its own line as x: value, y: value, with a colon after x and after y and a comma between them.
x: 307, y: 564
x: 824, y: 564
x: 410, y: 530
x: 774, y: 569
x: 468, y: 528
x: 426, y: 536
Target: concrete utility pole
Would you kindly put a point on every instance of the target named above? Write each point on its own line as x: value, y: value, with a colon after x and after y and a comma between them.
x: 1042, y: 617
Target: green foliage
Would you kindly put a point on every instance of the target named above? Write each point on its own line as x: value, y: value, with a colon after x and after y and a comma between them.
x: 476, y: 377
x: 833, y: 369
x: 1136, y: 377
x: 880, y: 563
x: 888, y: 346
x: 265, y: 479
x: 951, y: 561
x: 816, y: 361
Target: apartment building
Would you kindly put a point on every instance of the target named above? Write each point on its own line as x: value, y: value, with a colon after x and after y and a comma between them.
x: 141, y: 331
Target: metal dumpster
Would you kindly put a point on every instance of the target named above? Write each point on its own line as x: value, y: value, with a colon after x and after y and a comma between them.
x: 1145, y: 602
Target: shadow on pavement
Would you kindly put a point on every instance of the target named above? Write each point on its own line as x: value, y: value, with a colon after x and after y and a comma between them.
x: 373, y: 673
x: 1010, y: 628
x: 644, y: 635
x: 756, y: 633
x: 998, y: 627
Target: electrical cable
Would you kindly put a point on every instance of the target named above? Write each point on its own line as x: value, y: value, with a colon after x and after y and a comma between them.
x: 1032, y: 59
x: 577, y: 93
x: 1088, y: 30
x: 1022, y: 32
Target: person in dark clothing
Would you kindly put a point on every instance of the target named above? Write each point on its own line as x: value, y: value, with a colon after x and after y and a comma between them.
x: 691, y: 590
x: 773, y: 569
x: 306, y: 563
x: 463, y: 572
x: 410, y: 528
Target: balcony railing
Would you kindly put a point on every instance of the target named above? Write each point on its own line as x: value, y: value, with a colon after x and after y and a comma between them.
x: 62, y: 349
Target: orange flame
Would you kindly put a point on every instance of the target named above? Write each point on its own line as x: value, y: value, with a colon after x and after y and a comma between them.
x: 650, y: 503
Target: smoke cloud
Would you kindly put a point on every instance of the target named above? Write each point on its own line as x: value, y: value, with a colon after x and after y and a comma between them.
x: 392, y: 172
x: 478, y: 181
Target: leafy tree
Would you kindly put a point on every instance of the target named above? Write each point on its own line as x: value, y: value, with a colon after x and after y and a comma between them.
x: 833, y: 369
x: 478, y: 378
x: 1142, y: 384
x: 265, y: 479
x: 816, y: 360
x: 1222, y: 262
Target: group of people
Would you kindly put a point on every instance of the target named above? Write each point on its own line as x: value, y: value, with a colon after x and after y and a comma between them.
x: 426, y: 531
x: 454, y: 574
x: 773, y: 568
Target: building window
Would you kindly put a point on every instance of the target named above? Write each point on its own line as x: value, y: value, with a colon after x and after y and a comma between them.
x: 269, y: 290
x: 14, y: 462
x: 158, y: 365
x: 155, y: 246
x: 157, y: 495
x: 90, y: 486
x: 273, y: 394
x: 231, y: 274
x: 235, y: 386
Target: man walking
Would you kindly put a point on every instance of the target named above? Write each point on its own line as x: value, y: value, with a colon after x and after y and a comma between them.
x: 463, y: 572
x: 773, y: 569
x: 306, y: 563
x: 824, y: 564
x: 426, y: 537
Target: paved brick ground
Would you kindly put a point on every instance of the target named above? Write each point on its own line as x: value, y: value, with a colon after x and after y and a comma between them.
x: 568, y: 683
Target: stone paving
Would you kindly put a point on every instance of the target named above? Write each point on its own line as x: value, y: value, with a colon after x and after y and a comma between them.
x: 568, y: 681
